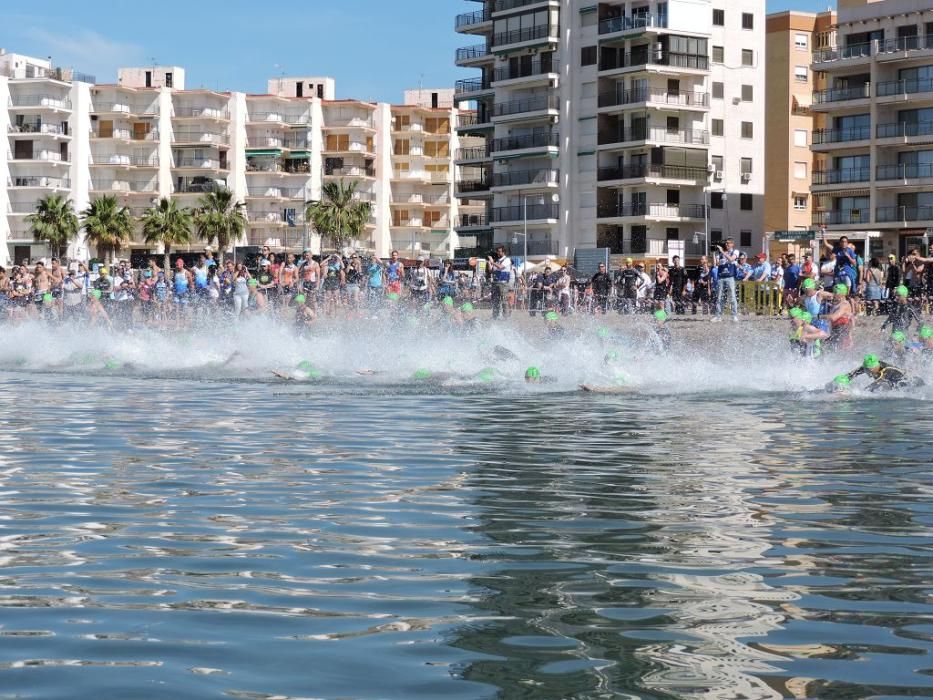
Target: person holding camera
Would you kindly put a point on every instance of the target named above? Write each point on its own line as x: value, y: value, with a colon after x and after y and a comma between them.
x: 501, y: 275
x: 726, y: 262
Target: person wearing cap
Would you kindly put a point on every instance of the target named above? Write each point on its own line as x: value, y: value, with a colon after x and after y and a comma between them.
x: 395, y: 273
x: 182, y: 288
x: 761, y: 269
x: 661, y: 330
x: 840, y: 316
x: 501, y: 267
x: 901, y: 314
x: 104, y: 284
x: 726, y: 261
x: 926, y: 340
x: 265, y: 279
x: 882, y: 375
x: 628, y: 281
x: 538, y: 288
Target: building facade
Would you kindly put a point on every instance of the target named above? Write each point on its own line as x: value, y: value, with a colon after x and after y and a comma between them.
x: 147, y: 136
x: 790, y: 122
x: 634, y: 126
x: 873, y: 174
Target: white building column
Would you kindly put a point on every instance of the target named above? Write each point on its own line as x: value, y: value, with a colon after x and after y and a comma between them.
x: 236, y: 156
x: 80, y: 153
x: 5, y: 253
x: 382, y: 236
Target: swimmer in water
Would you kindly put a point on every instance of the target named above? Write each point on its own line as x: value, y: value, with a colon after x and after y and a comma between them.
x: 661, y: 330
x: 841, y: 384
x: 620, y: 385
x: 552, y: 325
x: 926, y: 341
x: 883, y: 376
x: 811, y: 336
x: 305, y: 371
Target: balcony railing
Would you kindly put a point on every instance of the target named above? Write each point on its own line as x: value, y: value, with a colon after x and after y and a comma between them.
x: 841, y: 217
x: 841, y: 176
x: 517, y: 36
x: 518, y: 212
x: 473, y: 186
x: 277, y: 118
x: 680, y: 99
x: 655, y: 210
x: 47, y: 156
x: 39, y: 128
x: 472, y: 119
x: 472, y: 153
x: 471, y: 221
x: 469, y: 85
x: 194, y: 136
x: 903, y: 87
x: 646, y: 57
x: 906, y: 43
x: 62, y: 183
x: 516, y: 143
x: 904, y: 129
x: 202, y: 163
x: 198, y: 186
x: 842, y: 94
x: 639, y: 170
x: 537, y: 67
x: 855, y: 133
x: 903, y: 171
x: 40, y: 101
x: 502, y: 5
x: 350, y: 171
x: 469, y: 53
x: 905, y: 214
x: 689, y: 137
x: 201, y: 113
x: 301, y: 166
x: 468, y: 19
x: 612, y: 25
x: 842, y: 53
x: 124, y: 186
x: 539, y: 177
x: 530, y: 104
x: 278, y: 192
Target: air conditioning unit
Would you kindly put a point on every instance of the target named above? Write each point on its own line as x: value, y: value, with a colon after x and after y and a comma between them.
x: 711, y: 168
x: 736, y: 100
x: 718, y: 175
x: 746, y: 177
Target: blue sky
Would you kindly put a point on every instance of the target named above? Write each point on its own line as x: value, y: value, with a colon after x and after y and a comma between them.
x: 375, y: 49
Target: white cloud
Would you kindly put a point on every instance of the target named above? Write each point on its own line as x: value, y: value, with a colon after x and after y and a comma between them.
x: 88, y: 51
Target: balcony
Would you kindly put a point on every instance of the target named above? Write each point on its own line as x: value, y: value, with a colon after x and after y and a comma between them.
x: 527, y: 179
x: 505, y: 5
x: 124, y: 186
x: 198, y: 164
x: 619, y: 138
x: 536, y: 70
x: 125, y: 135
x: 517, y: 213
x: 639, y: 171
x: 526, y: 36
x: 905, y: 131
x: 842, y: 54
x: 841, y: 217
x: 620, y: 25
x: 474, y: 153
x: 472, y: 187
x: 262, y: 192
x: 900, y: 89
x: 49, y: 102
x: 40, y: 182
x: 830, y: 136
x: 468, y: 22
x: 53, y: 157
x: 302, y: 167
x: 903, y: 172
x: 661, y: 98
x: 209, y: 113
x: 198, y: 185
x: 199, y: 138
x: 469, y: 55
x: 123, y: 109
x: 890, y: 48
x: 468, y: 88
x: 841, y: 177
x: 471, y: 221
x: 38, y: 128
x: 536, y: 141
x: 643, y: 57
x: 841, y: 95
x: 903, y: 215
x: 277, y: 118
x: 474, y: 121
x: 659, y: 211
x: 521, y: 108
x: 350, y: 171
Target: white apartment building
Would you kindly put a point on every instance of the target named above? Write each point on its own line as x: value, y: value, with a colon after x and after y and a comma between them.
x: 147, y: 136
x: 635, y: 126
x: 874, y: 172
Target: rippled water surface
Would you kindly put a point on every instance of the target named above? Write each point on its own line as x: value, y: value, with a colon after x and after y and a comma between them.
x: 189, y: 538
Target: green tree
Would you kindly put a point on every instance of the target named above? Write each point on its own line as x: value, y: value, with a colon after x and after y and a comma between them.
x: 169, y: 225
x: 107, y: 225
x: 339, y: 216
x: 219, y: 218
x: 54, y: 222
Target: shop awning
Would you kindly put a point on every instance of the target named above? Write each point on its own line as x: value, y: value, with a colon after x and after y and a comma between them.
x: 262, y: 152
x: 298, y: 154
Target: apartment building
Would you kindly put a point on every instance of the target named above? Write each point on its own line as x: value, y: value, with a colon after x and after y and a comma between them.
x: 148, y: 136
x: 789, y: 82
x: 874, y: 158
x: 633, y: 126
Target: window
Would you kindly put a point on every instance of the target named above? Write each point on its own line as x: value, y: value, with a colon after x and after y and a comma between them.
x: 719, y: 18
x: 716, y: 162
x: 588, y: 56
x: 800, y: 137
x: 748, y: 130
x: 715, y: 200
x: 746, y: 164
x: 800, y: 170
x: 801, y: 42
x: 402, y: 147
x: 673, y: 198
x: 717, y: 91
x: 748, y: 20
x: 718, y: 56
x: 672, y: 234
x: 745, y: 202
x: 748, y: 57
x: 747, y: 92
x: 715, y: 236
x: 717, y: 127
x: 673, y: 125
x: 801, y: 74
x: 299, y: 89
x: 168, y: 80
x: 800, y: 202
x: 745, y: 238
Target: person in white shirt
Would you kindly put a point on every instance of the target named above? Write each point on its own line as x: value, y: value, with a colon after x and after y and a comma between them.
x: 501, y: 274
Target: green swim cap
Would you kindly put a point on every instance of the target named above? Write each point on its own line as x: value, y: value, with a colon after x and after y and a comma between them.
x: 660, y: 315
x: 95, y: 293
x: 809, y: 283
x: 899, y: 337
x: 467, y: 307
x: 300, y: 299
x: 313, y: 374
x: 46, y: 297
x: 871, y: 361
x: 795, y: 312
x: 487, y: 374
x: 550, y: 316
x: 902, y: 291
x: 620, y: 379
x: 806, y: 317
x: 842, y: 380
x: 611, y: 356
x: 448, y: 301
x: 305, y: 366
x: 926, y: 332
x: 253, y: 283
x: 393, y: 296
x: 532, y: 373
x: 602, y: 332
x: 421, y: 374
x: 111, y: 364
x: 840, y: 289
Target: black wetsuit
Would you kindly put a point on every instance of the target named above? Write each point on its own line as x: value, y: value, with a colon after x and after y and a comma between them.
x: 602, y: 285
x: 678, y: 279
x: 627, y: 280
x: 900, y: 316
x: 889, y: 377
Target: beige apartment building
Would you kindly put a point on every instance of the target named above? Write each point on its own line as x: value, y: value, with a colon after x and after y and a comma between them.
x: 789, y: 82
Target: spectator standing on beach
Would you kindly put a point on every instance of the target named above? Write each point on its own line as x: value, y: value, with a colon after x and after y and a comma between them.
x: 726, y: 261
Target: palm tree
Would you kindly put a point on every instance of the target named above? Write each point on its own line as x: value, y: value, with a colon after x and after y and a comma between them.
x: 219, y: 218
x: 55, y: 222
x: 169, y: 225
x: 107, y: 225
x: 339, y: 216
